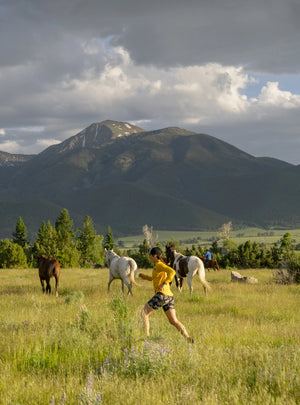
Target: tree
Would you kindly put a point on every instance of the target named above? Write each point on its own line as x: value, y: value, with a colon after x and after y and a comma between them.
x: 225, y: 230
x: 64, y: 229
x: 12, y: 255
x: 109, y: 240
x: 20, y: 234
x: 142, y: 256
x: 286, y: 244
x: 67, y: 252
x: 46, y: 241
x: 89, y: 244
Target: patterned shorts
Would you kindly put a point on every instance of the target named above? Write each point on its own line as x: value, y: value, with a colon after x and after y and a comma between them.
x: 161, y: 300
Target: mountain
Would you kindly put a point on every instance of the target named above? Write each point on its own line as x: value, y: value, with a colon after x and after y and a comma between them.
x: 125, y: 177
x: 9, y: 160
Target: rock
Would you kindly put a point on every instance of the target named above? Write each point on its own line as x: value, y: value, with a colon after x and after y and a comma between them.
x: 235, y: 276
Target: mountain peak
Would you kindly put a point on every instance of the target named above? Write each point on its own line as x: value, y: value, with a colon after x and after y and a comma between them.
x: 118, y: 128
x: 98, y: 134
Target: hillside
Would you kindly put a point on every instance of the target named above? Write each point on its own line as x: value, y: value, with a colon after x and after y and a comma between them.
x: 171, y: 178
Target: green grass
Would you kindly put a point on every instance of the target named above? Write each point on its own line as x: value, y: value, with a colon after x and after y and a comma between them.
x: 88, y: 344
x: 204, y: 238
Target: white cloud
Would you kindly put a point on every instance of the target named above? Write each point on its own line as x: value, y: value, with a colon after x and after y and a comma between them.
x: 2, y: 131
x: 272, y: 95
x: 10, y: 147
x: 42, y: 110
x: 45, y: 143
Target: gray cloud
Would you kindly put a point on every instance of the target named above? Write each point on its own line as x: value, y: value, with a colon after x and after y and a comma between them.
x: 262, y: 36
x: 67, y: 63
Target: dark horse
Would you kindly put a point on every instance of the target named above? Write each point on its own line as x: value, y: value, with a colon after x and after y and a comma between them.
x: 210, y: 264
x: 49, y: 267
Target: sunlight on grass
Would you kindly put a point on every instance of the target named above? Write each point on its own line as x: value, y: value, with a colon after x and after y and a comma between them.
x: 88, y: 346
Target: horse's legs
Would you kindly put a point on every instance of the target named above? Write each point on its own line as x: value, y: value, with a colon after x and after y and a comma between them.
x: 189, y: 281
x: 176, y: 281
x: 180, y: 284
x: 128, y: 292
x: 128, y: 286
x: 43, y: 285
x: 109, y: 282
x: 48, y: 287
x: 56, y: 286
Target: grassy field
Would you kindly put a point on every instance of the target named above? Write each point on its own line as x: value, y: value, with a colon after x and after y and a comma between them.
x: 89, y: 347
x: 204, y: 238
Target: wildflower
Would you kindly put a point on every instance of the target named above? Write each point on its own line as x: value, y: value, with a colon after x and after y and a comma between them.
x: 64, y: 399
x: 89, y: 385
x: 99, y: 397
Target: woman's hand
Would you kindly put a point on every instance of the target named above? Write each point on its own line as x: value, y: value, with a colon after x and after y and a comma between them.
x: 141, y: 275
x: 161, y: 286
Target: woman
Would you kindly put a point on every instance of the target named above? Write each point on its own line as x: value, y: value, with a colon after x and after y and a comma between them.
x: 162, y: 275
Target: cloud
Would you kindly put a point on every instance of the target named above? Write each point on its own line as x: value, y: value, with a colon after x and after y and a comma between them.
x: 65, y: 64
x: 261, y: 36
x: 9, y: 146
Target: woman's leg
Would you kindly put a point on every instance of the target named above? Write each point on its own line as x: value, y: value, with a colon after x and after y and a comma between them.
x: 146, y: 311
x: 171, y: 315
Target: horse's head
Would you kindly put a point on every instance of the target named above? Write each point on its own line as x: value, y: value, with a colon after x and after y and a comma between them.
x: 170, y: 254
x: 109, y: 255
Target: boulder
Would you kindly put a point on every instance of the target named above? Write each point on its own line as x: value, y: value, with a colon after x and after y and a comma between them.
x: 235, y: 276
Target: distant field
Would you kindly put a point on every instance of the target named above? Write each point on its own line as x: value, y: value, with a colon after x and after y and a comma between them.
x: 188, y: 238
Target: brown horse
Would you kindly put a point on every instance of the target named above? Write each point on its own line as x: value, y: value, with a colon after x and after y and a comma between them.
x: 49, y: 267
x: 210, y: 264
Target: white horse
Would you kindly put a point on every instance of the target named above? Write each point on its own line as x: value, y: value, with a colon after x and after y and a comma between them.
x: 123, y: 268
x: 186, y: 266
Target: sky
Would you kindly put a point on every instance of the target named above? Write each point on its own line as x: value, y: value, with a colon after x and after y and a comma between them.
x: 228, y: 68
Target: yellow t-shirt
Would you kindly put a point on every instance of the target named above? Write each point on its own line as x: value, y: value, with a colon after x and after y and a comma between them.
x: 162, y: 273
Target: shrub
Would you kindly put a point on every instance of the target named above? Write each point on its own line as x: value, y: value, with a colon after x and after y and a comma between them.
x: 289, y: 272
x: 12, y: 255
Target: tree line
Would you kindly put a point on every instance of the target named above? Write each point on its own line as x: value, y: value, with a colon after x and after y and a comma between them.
x: 230, y: 255
x: 73, y: 248
x: 85, y: 248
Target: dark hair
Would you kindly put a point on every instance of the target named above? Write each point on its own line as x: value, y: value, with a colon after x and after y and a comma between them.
x: 156, y: 251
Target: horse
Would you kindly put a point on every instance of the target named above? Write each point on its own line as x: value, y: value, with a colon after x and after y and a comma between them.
x: 123, y: 268
x: 210, y: 264
x: 49, y: 267
x: 186, y: 266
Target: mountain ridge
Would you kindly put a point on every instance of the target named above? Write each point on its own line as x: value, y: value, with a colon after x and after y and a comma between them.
x: 125, y: 177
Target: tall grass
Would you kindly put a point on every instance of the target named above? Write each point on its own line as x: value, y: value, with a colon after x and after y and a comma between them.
x: 89, y: 347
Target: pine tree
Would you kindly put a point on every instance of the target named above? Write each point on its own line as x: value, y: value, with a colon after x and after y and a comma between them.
x: 64, y: 229
x: 46, y: 241
x: 67, y: 252
x: 109, y: 240
x: 20, y: 234
x: 89, y: 244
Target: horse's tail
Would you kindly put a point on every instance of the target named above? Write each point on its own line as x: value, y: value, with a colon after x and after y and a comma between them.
x: 201, y: 274
x: 133, y: 269
x: 217, y: 265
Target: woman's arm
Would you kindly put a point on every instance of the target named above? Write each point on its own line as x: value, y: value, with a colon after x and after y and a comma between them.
x: 170, y: 273
x: 145, y: 277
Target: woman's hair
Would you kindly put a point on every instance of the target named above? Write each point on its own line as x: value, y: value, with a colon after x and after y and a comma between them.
x: 156, y: 251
